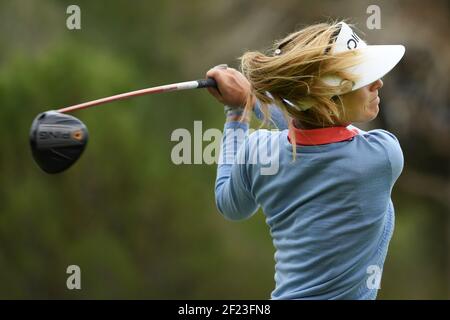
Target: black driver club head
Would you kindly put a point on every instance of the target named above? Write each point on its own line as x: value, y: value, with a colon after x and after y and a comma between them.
x: 57, y: 140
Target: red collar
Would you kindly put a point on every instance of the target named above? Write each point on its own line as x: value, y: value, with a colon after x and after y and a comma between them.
x: 322, y: 136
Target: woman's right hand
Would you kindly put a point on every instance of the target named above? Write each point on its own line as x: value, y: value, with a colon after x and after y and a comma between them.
x: 233, y: 87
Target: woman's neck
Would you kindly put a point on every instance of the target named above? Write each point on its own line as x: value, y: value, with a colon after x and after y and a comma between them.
x: 306, y: 126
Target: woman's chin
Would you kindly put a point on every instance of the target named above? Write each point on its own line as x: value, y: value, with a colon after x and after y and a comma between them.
x: 374, y: 113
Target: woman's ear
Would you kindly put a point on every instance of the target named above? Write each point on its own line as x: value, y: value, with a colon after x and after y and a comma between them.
x: 346, y: 85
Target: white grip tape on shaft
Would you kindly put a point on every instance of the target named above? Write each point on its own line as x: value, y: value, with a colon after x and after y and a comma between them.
x: 187, y: 85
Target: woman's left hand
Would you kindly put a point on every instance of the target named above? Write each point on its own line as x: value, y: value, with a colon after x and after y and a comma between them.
x: 233, y: 87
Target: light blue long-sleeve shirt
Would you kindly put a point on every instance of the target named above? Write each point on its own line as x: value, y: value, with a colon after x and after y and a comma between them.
x: 329, y: 212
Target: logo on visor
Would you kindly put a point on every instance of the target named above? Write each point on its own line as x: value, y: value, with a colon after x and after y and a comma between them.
x: 352, y: 43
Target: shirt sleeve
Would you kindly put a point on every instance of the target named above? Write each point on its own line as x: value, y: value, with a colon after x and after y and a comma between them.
x: 232, y: 191
x: 393, y: 150
x: 395, y: 155
x: 276, y: 115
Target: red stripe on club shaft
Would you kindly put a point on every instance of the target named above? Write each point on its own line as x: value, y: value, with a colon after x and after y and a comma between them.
x: 122, y: 96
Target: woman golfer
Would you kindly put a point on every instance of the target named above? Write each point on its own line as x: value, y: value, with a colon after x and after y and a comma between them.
x: 323, y: 184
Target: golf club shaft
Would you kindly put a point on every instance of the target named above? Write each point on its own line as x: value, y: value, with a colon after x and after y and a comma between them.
x: 203, y: 83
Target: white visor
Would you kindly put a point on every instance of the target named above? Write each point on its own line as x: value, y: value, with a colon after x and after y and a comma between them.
x: 376, y: 61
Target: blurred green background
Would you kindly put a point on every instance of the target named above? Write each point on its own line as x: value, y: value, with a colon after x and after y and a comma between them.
x: 140, y: 226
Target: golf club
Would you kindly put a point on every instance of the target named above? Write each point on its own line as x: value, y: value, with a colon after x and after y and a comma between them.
x: 57, y: 139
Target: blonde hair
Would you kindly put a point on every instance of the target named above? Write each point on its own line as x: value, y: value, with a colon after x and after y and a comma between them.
x: 294, y: 70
